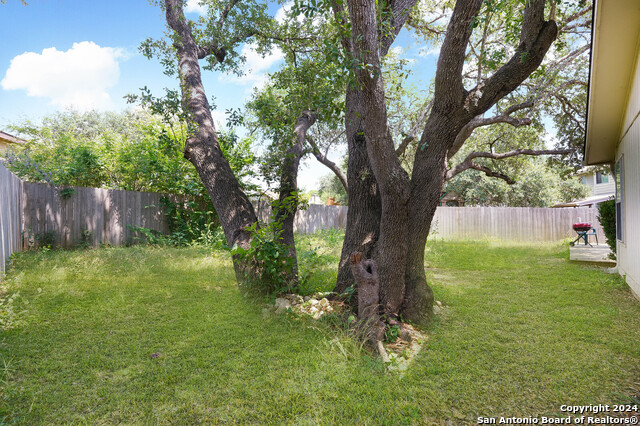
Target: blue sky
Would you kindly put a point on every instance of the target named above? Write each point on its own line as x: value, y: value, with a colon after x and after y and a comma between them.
x: 83, y: 54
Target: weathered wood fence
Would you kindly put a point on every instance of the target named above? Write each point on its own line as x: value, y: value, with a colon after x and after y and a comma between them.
x: 452, y: 223
x: 315, y: 217
x: 92, y: 216
x: 512, y: 223
x: 10, y: 215
x: 102, y: 216
x: 67, y: 217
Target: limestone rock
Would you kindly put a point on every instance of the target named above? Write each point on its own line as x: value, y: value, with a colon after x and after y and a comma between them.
x: 282, y: 305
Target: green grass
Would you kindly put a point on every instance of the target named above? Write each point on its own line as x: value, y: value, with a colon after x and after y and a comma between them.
x: 523, y: 331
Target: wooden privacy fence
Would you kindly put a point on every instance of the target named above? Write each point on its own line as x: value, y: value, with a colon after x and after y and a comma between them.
x: 314, y: 218
x: 102, y: 216
x: 67, y: 217
x: 88, y: 215
x: 451, y: 223
x: 512, y: 223
x: 10, y: 215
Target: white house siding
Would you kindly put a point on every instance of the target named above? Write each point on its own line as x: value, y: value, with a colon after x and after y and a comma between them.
x: 590, y: 181
x: 604, y: 188
x: 629, y: 250
x: 599, y: 188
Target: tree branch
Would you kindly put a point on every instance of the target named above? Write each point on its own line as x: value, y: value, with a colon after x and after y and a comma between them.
x: 469, y: 164
x: 505, y: 117
x: 543, y: 85
x: 564, y: 27
x: 220, y: 52
x: 449, y: 90
x: 399, y: 14
x: 535, y: 39
x: 303, y: 123
x: 340, y: 15
x: 322, y: 158
x: 487, y: 171
x: 225, y: 13
x: 412, y: 134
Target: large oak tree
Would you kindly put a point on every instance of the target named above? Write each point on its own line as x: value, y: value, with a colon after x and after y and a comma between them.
x: 390, y: 212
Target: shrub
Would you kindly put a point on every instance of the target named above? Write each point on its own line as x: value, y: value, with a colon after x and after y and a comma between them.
x: 9, y: 313
x: 189, y: 220
x: 149, y: 236
x: 607, y: 218
x: 46, y: 239
x: 270, y: 257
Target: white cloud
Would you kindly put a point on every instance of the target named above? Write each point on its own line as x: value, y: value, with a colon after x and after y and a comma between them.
x: 219, y: 119
x: 76, y: 78
x: 256, y: 67
x: 281, y: 14
x: 549, y: 137
x: 194, y: 6
x: 396, y: 50
x: 434, y: 51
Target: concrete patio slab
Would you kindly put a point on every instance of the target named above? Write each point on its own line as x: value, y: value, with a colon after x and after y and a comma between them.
x: 598, y: 253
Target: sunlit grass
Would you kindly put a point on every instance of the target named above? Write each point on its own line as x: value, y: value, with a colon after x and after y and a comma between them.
x: 523, y: 331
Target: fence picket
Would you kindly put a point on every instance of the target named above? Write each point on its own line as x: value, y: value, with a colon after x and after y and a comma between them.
x: 29, y: 209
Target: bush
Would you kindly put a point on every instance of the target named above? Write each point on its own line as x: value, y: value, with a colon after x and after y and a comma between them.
x: 9, y: 313
x: 270, y: 257
x: 189, y: 220
x: 46, y: 239
x: 607, y: 218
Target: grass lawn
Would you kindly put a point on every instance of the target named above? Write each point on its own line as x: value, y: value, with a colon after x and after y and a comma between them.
x: 523, y: 331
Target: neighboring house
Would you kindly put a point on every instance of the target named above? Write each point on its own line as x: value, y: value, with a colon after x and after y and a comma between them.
x: 315, y: 199
x: 613, y: 120
x: 7, y: 141
x: 591, y: 202
x: 451, y: 199
x: 602, y: 185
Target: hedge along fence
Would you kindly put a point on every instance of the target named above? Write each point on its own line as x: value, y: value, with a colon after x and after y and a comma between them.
x: 10, y: 215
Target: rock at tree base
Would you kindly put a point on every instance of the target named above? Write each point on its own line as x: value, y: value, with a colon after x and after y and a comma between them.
x: 315, y: 306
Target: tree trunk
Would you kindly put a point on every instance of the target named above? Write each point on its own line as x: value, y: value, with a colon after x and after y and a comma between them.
x: 233, y: 208
x: 363, y: 215
x: 392, y: 179
x: 366, y: 277
x: 287, y: 207
x: 407, y: 209
x: 427, y: 181
x: 453, y: 108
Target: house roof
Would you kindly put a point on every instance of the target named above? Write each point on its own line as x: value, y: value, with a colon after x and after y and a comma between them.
x: 616, y: 28
x: 450, y: 195
x: 7, y: 138
x: 587, y: 201
x: 586, y: 171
